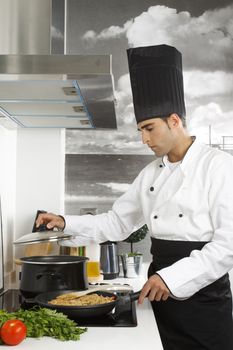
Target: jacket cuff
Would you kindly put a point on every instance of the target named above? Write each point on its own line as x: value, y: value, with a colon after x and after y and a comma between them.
x: 62, y: 229
x: 171, y: 294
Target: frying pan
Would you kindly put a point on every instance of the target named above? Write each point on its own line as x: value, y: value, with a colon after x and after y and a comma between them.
x: 75, y: 312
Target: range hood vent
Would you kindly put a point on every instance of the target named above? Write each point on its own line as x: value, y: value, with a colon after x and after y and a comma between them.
x: 57, y: 91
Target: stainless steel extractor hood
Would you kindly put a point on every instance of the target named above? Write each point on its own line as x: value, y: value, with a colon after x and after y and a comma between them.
x: 57, y: 91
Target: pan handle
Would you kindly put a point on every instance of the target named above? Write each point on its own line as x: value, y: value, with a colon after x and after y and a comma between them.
x: 128, y: 298
x: 134, y: 296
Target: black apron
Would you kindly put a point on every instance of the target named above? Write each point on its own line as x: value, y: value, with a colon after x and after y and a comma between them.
x: 204, y: 321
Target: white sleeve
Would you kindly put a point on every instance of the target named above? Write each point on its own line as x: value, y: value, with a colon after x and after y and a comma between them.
x: 188, y: 275
x: 115, y: 225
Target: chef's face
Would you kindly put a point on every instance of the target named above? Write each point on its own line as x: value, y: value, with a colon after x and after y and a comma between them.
x: 158, y: 134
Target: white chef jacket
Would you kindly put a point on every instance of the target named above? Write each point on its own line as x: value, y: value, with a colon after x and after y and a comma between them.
x: 194, y: 202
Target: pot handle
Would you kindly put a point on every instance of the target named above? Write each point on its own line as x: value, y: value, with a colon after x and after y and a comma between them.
x: 51, y: 274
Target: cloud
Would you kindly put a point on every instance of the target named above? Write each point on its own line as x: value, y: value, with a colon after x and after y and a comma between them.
x: 107, y: 33
x: 206, y: 115
x: 154, y: 26
x: 199, y: 84
x: 205, y: 41
x: 125, y: 109
x: 210, y: 119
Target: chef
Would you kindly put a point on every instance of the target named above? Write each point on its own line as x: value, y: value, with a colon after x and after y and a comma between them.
x: 185, y: 196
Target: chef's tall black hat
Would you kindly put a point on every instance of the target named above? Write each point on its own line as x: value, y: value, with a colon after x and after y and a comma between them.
x: 156, y: 81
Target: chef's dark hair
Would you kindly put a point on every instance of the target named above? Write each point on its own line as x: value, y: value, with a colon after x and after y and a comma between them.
x: 182, y: 118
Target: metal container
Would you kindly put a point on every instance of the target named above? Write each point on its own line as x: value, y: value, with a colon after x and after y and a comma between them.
x: 41, y: 274
x: 131, y: 265
x: 109, y: 260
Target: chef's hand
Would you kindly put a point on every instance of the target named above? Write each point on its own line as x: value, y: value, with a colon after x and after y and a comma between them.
x: 50, y: 220
x: 154, y: 289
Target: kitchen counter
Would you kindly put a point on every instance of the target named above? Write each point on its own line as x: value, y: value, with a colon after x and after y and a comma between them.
x: 105, y: 338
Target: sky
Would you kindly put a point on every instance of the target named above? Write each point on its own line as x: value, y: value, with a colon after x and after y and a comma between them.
x: 201, y: 30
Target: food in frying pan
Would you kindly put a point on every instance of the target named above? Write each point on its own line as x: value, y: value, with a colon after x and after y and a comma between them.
x: 73, y: 300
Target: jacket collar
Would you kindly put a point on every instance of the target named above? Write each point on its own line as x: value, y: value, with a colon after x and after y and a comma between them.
x: 192, y: 152
x: 166, y: 187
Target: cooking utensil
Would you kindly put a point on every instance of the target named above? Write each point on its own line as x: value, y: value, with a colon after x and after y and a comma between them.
x: 52, y: 273
x: 106, y: 288
x: 76, y: 312
x: 43, y: 236
x: 108, y: 260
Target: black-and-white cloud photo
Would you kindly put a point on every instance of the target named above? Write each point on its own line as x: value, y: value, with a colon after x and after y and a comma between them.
x: 108, y: 161
x: 201, y: 30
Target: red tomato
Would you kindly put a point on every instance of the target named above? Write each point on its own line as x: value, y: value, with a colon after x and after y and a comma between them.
x: 13, y: 332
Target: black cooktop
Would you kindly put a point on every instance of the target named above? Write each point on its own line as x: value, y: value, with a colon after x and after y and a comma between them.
x: 122, y: 316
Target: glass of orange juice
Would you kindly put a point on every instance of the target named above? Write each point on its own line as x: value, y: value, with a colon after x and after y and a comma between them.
x: 93, y: 264
x: 93, y: 269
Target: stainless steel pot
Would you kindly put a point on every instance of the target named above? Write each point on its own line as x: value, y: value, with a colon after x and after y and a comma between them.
x: 41, y: 274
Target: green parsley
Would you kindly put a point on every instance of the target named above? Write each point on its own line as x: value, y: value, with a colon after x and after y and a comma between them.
x: 45, y: 322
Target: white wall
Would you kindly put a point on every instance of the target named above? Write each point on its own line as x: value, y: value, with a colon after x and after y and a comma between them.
x: 39, y: 175
x: 7, y: 189
x: 32, y: 178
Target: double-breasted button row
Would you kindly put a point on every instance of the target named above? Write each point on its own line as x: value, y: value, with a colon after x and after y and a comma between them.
x: 152, y: 187
x: 180, y: 216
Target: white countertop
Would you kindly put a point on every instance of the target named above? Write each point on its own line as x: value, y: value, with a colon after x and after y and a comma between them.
x: 105, y: 338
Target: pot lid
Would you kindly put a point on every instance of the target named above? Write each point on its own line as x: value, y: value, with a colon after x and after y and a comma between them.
x: 43, y: 236
x: 53, y: 259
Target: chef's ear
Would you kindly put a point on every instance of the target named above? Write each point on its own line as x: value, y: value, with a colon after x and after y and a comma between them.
x: 173, y: 120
